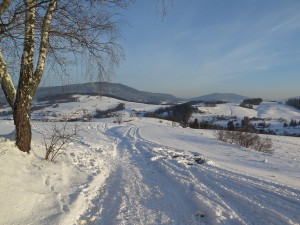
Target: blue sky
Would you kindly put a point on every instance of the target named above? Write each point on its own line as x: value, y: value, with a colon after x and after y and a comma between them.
x: 249, y: 47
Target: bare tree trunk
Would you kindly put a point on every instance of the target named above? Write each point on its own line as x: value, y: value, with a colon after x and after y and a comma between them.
x: 25, y: 89
x: 22, y: 121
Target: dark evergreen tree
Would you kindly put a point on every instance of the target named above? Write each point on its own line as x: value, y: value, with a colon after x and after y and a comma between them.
x: 293, y: 123
x: 230, y: 125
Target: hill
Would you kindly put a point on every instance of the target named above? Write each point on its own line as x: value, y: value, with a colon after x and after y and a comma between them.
x: 119, y: 91
x: 228, y: 97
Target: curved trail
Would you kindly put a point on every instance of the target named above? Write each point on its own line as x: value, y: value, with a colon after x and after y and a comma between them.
x: 136, y: 193
x: 154, y: 184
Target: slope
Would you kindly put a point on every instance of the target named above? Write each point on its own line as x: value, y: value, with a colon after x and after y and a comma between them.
x: 145, y: 172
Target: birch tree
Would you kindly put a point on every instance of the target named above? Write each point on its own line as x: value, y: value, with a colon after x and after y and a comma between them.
x: 33, y: 32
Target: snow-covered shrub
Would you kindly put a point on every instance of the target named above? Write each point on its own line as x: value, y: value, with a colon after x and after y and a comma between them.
x: 264, y: 145
x: 56, y: 139
x: 245, y: 139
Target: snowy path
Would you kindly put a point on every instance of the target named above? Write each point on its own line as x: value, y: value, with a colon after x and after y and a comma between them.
x: 151, y: 183
x: 137, y: 192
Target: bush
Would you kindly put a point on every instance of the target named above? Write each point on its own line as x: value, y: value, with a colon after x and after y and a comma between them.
x: 56, y: 141
x: 245, y: 139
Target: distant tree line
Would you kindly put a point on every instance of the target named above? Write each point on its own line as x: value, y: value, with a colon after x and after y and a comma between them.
x: 295, y: 102
x: 205, y: 125
x: 109, y: 112
x: 253, y: 101
x: 59, y: 98
x: 245, y: 125
x: 180, y: 113
x: 293, y: 123
x: 248, y: 103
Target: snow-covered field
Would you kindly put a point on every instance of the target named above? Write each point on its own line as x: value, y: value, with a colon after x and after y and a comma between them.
x: 147, y: 172
x: 273, y: 113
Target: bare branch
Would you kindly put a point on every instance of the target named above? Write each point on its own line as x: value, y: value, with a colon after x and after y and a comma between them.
x: 56, y: 139
x: 4, y: 5
x: 162, y: 6
x: 44, y: 43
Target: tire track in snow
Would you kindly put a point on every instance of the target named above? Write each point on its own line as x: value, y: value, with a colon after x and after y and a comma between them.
x: 209, y: 205
x: 186, y: 212
x: 261, y: 203
x: 137, y: 192
x: 140, y: 190
x: 271, y: 203
x: 114, y: 202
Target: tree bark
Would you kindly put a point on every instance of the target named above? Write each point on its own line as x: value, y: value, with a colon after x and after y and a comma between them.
x: 22, y: 121
x: 6, y: 83
x: 25, y: 89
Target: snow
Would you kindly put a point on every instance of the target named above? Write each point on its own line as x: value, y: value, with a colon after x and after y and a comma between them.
x: 88, y: 104
x: 147, y: 172
x: 273, y: 113
x: 273, y: 110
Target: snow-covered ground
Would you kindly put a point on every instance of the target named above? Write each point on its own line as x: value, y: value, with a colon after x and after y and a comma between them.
x: 89, y: 104
x: 265, y: 110
x: 273, y: 113
x: 147, y: 172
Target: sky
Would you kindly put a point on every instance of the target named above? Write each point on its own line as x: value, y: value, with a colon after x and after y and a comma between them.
x: 249, y: 47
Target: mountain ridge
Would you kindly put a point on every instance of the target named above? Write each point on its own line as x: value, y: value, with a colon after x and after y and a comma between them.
x: 106, y: 89
x: 228, y: 97
x: 127, y: 93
